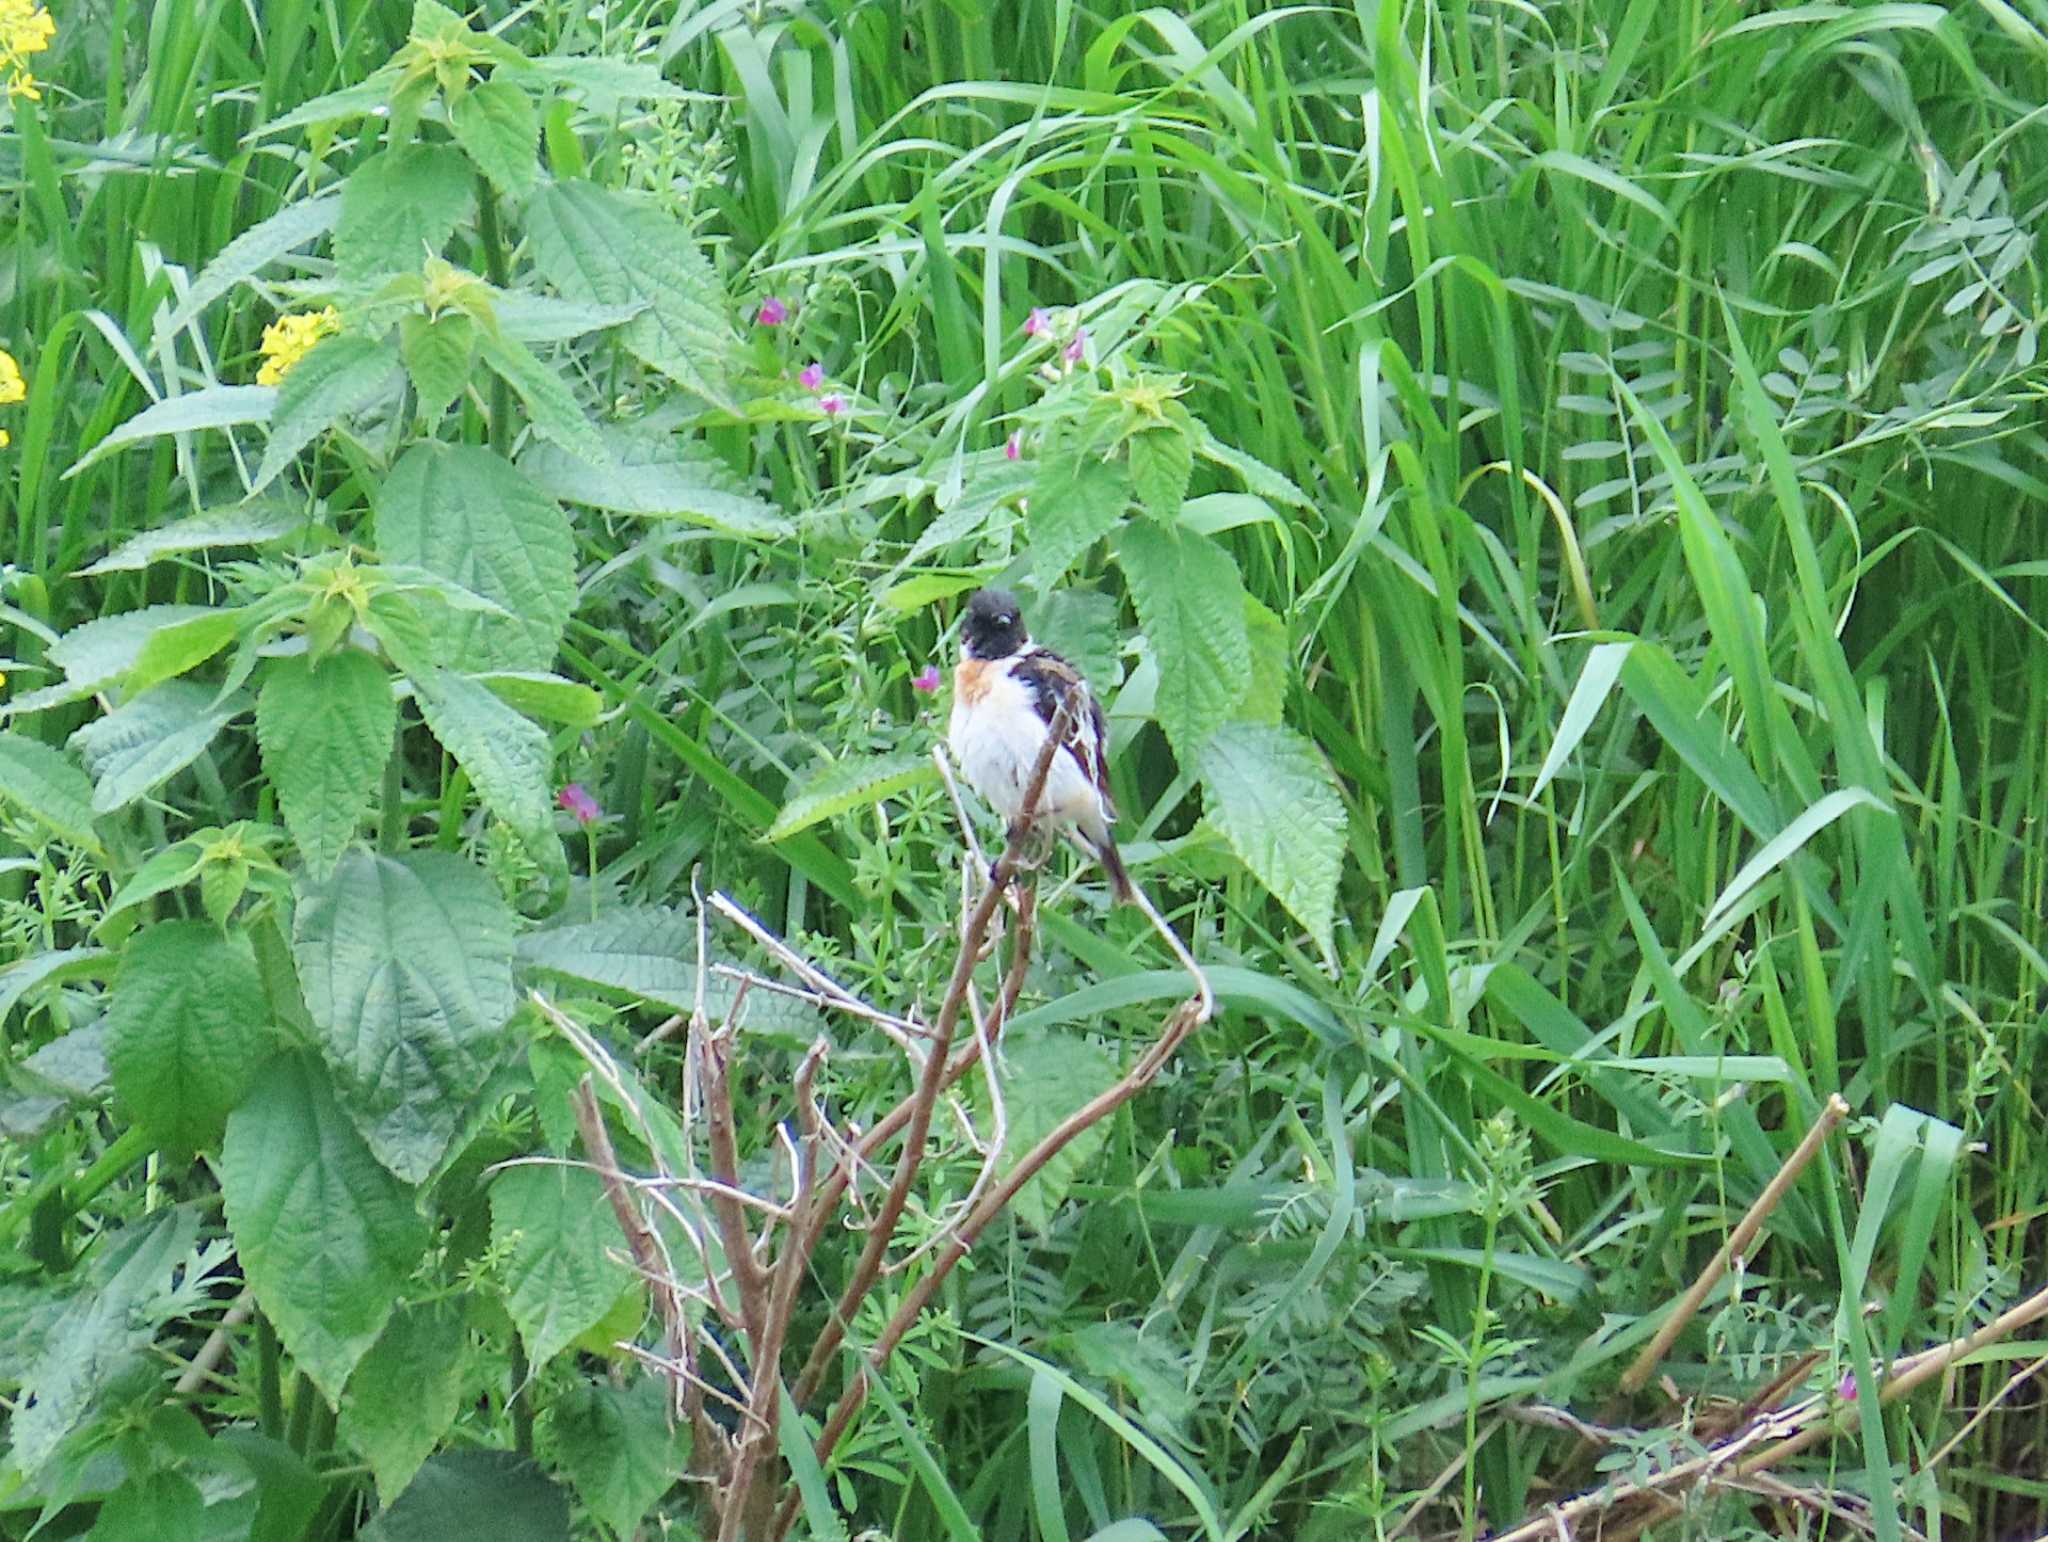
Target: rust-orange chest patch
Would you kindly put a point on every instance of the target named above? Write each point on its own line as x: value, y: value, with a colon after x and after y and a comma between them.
x: 972, y: 679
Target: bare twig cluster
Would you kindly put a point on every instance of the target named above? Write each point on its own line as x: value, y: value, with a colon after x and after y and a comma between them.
x: 727, y: 1314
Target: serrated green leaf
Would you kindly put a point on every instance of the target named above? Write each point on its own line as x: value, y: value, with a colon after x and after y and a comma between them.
x: 1048, y: 1076
x: 222, y: 406
x: 549, y: 402
x: 650, y: 951
x: 1266, y: 682
x: 325, y: 1235
x: 144, y: 742
x: 325, y: 734
x: 407, y: 968
x: 187, y: 1028
x: 399, y: 208
x: 1269, y: 792
x: 1162, y: 460
x: 593, y: 244
x: 496, y: 124
x: 438, y: 352
x: 241, y: 524
x: 619, y: 1448
x: 61, y: 964
x: 855, y: 782
x: 506, y: 756
x: 102, y: 651
x: 557, y: 1236
x: 538, y: 695
x: 467, y: 515
x: 252, y: 251
x: 41, y: 782
x: 1190, y: 602
x: 339, y: 376
x: 660, y: 478
x: 495, y: 1494
x: 183, y: 645
x: 1080, y: 625
x: 152, y: 1506
x: 1075, y: 502
x: 406, y: 1392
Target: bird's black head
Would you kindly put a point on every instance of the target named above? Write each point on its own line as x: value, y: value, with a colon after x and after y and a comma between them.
x: 994, y: 628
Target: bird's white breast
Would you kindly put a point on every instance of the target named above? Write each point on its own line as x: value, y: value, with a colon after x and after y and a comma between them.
x: 996, y: 734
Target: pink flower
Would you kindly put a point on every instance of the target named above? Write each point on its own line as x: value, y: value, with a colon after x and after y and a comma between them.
x: 1077, y: 350
x: 1038, y: 323
x: 773, y: 312
x: 832, y: 405
x: 1013, y: 447
x: 577, y: 800
x: 926, y: 679
x: 812, y: 375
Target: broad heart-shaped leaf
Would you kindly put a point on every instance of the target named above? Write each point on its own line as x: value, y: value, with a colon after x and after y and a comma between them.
x: 557, y: 1235
x: 472, y: 517
x: 496, y: 124
x: 438, y: 352
x: 399, y: 208
x: 617, y: 1448
x: 1161, y: 462
x: 407, y: 968
x: 505, y: 755
x: 187, y: 1028
x: 325, y: 1235
x: 1076, y: 501
x: 143, y: 743
x: 325, y: 734
x: 405, y: 1394
x: 1050, y: 1074
x: 859, y: 781
x: 1269, y: 792
x: 41, y: 782
x: 611, y: 248
x: 341, y: 375
x: 1191, y: 604
x: 494, y: 1494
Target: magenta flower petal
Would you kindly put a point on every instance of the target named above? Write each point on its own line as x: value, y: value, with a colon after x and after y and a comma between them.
x: 577, y: 800
x: 1013, y: 447
x: 812, y: 375
x: 1077, y: 350
x: 926, y: 679
x: 1038, y: 323
x: 832, y: 405
x: 773, y: 313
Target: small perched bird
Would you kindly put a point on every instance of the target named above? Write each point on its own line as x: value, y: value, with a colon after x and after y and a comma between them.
x: 1006, y: 692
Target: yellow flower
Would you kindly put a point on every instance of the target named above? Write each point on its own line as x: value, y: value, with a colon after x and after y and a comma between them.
x: 25, y: 28
x: 290, y: 338
x: 12, y: 387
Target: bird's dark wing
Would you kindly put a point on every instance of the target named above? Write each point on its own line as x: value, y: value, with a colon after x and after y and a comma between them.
x: 1051, y: 681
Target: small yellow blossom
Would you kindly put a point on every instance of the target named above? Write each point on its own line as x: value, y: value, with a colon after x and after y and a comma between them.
x: 12, y: 387
x: 25, y: 28
x: 290, y: 338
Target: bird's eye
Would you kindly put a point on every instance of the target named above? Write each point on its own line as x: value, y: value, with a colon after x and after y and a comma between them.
x: 1005, y: 620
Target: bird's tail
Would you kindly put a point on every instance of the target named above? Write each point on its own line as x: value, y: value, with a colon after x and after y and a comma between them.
x: 1103, y: 849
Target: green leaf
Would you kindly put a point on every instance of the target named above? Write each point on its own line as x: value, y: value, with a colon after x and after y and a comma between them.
x: 662, y: 478
x: 325, y: 1235
x: 536, y: 694
x: 496, y: 124
x: 221, y: 406
x: 1050, y: 1075
x: 187, y: 1028
x: 1270, y: 793
x: 506, y: 756
x: 159, y: 1506
x: 325, y: 734
x: 557, y: 1234
x: 252, y: 251
x: 841, y: 785
x: 241, y: 524
x: 1075, y: 502
x: 183, y: 645
x: 1265, y: 689
x: 469, y: 516
x: 610, y: 248
x: 494, y: 1494
x: 41, y: 782
x: 406, y: 1393
x: 549, y: 402
x: 407, y: 968
x: 145, y: 742
x: 1162, y: 460
x: 1190, y: 602
x: 339, y: 376
x: 102, y: 651
x: 438, y: 352
x: 399, y: 208
x: 56, y: 966
x: 617, y: 1447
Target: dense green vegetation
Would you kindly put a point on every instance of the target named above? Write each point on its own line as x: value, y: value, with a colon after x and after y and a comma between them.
x: 1551, y: 499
